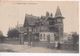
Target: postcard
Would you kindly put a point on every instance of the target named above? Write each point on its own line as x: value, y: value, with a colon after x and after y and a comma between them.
x: 39, y: 26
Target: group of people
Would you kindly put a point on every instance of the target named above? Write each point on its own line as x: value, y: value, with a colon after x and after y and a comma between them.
x: 57, y: 45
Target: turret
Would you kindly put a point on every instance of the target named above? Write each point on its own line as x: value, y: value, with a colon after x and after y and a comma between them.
x: 59, y: 23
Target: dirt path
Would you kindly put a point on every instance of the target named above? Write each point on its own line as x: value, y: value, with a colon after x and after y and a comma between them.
x: 28, y: 49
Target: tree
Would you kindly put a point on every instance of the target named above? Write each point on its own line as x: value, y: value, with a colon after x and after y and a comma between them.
x: 1, y: 37
x: 1, y: 33
x: 13, y: 33
x: 75, y: 39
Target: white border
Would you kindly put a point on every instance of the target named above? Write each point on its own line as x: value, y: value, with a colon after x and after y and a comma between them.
x: 44, y: 54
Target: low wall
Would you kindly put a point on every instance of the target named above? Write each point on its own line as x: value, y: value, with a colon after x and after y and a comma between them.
x: 70, y: 47
x: 52, y: 45
x: 40, y: 44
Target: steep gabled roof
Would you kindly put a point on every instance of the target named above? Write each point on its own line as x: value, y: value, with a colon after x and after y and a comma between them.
x: 30, y: 20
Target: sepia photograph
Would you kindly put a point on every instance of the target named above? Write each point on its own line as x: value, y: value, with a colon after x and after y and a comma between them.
x: 39, y: 26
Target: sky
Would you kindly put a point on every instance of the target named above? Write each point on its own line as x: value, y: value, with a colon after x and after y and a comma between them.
x: 13, y: 12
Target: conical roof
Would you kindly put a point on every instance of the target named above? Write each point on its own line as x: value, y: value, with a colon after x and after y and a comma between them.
x: 58, y: 12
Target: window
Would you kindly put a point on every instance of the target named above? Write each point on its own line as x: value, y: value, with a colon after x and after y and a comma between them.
x: 59, y: 20
x: 52, y: 22
x: 48, y: 37
x: 40, y: 36
x: 44, y: 37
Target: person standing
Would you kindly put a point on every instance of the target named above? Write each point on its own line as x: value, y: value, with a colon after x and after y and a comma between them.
x: 59, y: 45
x: 56, y: 44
